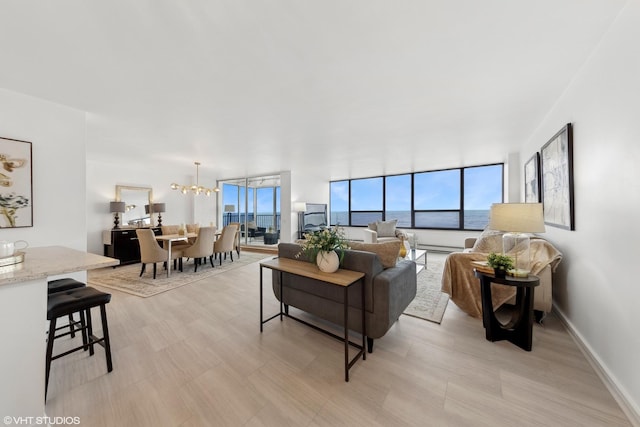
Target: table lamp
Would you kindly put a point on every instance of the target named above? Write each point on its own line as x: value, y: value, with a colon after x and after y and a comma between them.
x: 517, y: 219
x: 159, y: 207
x: 116, y: 208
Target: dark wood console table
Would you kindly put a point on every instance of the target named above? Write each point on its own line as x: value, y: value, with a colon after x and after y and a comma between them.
x: 519, y: 330
x: 122, y: 244
x: 342, y: 278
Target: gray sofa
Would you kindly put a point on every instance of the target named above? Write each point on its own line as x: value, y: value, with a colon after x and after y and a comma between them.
x: 387, y: 292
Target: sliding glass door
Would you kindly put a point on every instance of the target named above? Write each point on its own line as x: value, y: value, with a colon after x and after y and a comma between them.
x: 254, y: 202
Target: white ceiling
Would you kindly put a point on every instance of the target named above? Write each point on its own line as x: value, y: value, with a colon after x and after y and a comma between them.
x: 354, y: 87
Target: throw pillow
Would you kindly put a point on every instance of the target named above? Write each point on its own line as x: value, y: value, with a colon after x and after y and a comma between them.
x: 387, y: 252
x: 489, y: 241
x: 386, y: 228
x: 372, y: 226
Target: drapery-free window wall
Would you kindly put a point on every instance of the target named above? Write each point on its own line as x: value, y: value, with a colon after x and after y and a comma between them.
x: 454, y: 199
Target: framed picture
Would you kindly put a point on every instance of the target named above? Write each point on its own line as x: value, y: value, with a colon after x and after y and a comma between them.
x: 556, y: 163
x: 16, y: 190
x: 532, y: 180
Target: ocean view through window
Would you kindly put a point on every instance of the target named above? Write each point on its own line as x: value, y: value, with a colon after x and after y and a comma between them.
x: 455, y: 199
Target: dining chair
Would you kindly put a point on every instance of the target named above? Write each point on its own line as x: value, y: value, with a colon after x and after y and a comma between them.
x: 202, y: 247
x: 151, y: 252
x: 173, y: 229
x: 225, y: 242
x: 192, y: 228
x: 237, y: 239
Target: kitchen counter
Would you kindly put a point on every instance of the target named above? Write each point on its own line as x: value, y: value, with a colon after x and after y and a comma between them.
x: 48, y: 261
x: 23, y: 323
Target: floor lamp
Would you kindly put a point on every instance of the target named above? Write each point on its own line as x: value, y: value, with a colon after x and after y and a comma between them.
x: 517, y: 219
x: 228, y: 209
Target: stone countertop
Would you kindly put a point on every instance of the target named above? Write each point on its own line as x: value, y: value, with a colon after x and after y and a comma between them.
x: 42, y: 262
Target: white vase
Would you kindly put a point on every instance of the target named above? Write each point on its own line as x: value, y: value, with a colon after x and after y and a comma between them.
x: 328, y: 261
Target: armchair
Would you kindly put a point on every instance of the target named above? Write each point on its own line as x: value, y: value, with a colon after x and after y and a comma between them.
x: 460, y: 283
x: 383, y: 231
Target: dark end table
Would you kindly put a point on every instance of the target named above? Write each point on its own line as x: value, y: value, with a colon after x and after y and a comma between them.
x: 519, y: 329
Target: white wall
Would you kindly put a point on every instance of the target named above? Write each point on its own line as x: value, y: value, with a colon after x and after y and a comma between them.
x: 57, y: 134
x: 596, y: 287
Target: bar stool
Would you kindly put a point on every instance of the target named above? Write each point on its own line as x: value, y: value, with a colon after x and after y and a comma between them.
x: 59, y: 285
x: 81, y: 300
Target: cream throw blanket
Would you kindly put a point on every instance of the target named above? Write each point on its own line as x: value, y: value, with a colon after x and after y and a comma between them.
x: 459, y: 281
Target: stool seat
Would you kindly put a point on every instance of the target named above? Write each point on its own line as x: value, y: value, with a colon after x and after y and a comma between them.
x: 59, y: 285
x: 73, y: 300
x: 67, y: 302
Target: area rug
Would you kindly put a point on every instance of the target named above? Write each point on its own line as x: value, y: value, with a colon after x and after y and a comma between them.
x: 126, y: 278
x: 430, y: 303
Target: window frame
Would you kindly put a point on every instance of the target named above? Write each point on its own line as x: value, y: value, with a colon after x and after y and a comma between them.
x: 414, y: 211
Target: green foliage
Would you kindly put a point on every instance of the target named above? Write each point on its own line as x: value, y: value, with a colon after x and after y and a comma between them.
x: 329, y: 239
x: 499, y: 261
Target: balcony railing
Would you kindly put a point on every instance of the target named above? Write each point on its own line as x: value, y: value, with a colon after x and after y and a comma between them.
x: 262, y: 220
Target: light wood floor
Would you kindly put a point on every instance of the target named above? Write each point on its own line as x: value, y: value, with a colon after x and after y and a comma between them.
x: 194, y: 356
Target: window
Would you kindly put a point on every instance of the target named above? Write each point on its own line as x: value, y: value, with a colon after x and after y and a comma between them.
x: 437, y: 200
x: 366, y: 200
x: 397, y: 199
x: 482, y: 187
x: 455, y: 199
x: 339, y: 200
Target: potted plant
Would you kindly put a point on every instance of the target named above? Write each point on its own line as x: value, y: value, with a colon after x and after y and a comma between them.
x: 325, y: 248
x: 500, y: 263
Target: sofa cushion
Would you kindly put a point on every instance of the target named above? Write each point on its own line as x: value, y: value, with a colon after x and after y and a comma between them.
x: 386, y: 228
x: 387, y: 252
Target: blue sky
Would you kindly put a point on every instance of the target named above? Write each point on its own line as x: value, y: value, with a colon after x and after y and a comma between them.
x: 264, y: 198
x: 434, y: 191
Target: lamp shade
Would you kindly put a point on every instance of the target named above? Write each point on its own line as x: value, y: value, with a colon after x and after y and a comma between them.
x: 229, y: 208
x: 117, y: 207
x: 299, y: 206
x: 517, y: 217
x: 159, y: 207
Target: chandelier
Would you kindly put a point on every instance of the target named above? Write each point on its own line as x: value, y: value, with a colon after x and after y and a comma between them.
x: 195, y: 188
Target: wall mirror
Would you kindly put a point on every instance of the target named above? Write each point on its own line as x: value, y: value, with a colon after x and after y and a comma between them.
x: 135, y: 199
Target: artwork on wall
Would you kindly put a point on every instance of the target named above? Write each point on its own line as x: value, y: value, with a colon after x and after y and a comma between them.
x: 532, y: 180
x: 16, y: 190
x: 556, y: 158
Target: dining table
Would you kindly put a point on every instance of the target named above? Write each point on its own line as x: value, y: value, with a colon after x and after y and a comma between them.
x: 170, y: 238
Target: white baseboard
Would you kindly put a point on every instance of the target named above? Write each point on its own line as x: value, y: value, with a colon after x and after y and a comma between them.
x: 618, y: 392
